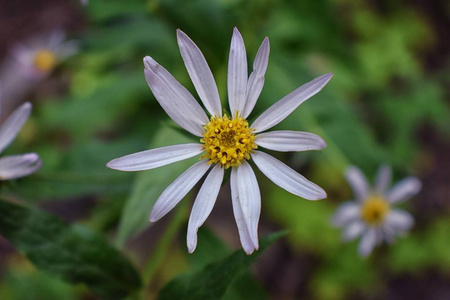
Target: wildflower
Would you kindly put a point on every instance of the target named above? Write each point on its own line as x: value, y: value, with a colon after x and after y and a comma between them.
x: 40, y: 55
x: 16, y: 166
x: 371, y: 215
x: 225, y: 141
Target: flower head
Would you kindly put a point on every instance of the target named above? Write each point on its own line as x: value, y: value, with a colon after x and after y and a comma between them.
x: 40, y: 55
x: 225, y: 141
x: 371, y: 215
x: 16, y: 166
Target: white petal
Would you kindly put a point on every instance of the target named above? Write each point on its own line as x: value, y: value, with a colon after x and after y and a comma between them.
x: 286, y: 140
x: 358, y: 182
x: 12, y: 126
x: 16, y: 166
x: 200, y: 73
x: 250, y: 199
x: 67, y: 49
x: 239, y: 214
x: 177, y: 190
x: 353, y: 230
x: 368, y: 242
x: 55, y: 39
x: 176, y: 101
x: 256, y: 79
x: 383, y: 179
x: 347, y: 212
x: 154, y: 158
x: 403, y: 190
x: 237, y: 74
x: 287, y: 178
x: 284, y: 107
x: 399, y: 220
x: 203, y: 204
x: 244, y: 236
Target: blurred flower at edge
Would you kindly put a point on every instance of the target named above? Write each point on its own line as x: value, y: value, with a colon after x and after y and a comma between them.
x: 31, y: 61
x: 371, y: 215
x: 16, y: 166
x: 225, y: 142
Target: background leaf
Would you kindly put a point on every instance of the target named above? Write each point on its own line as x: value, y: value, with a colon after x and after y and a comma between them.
x: 75, y: 254
x: 213, y: 281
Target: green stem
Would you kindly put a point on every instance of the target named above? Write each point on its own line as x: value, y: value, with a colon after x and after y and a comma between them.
x: 161, y: 251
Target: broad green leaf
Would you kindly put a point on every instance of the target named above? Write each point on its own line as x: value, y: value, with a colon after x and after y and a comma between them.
x: 210, y: 249
x: 72, y: 253
x: 213, y: 281
x: 148, y: 185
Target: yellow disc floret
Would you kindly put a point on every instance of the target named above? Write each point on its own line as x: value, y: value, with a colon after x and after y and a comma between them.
x: 44, y: 60
x: 228, y: 141
x: 374, y: 210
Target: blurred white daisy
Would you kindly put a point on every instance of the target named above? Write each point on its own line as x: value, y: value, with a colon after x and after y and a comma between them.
x: 16, y: 166
x: 225, y: 141
x: 372, y: 215
x: 41, y: 54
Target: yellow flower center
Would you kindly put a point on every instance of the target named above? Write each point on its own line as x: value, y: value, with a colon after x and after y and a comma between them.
x: 44, y: 60
x: 374, y: 210
x: 227, y: 141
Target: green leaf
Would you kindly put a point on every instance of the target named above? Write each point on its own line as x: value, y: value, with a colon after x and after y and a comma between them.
x: 210, y: 249
x: 213, y: 281
x: 72, y: 253
x: 149, y: 185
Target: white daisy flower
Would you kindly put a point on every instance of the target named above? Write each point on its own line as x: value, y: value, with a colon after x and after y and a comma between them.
x: 41, y: 54
x: 16, y: 166
x: 225, y: 141
x: 372, y: 215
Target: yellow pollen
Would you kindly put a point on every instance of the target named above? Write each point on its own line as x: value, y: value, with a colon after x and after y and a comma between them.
x: 44, y: 60
x: 374, y: 210
x: 228, y: 141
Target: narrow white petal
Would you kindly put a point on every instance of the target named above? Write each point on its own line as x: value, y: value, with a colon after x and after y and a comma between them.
x: 237, y: 74
x: 368, y: 242
x: 387, y: 233
x: 284, y: 107
x: 244, y: 233
x: 287, y: 178
x: 353, y: 230
x: 16, y: 166
x: 399, y: 220
x: 403, y: 190
x: 55, y: 39
x: 256, y: 79
x: 358, y: 182
x: 203, y: 204
x: 286, y: 141
x: 154, y: 158
x: 174, y: 98
x: 383, y: 179
x: 250, y: 199
x: 200, y: 73
x: 12, y: 126
x: 67, y: 49
x: 347, y: 212
x: 177, y: 190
